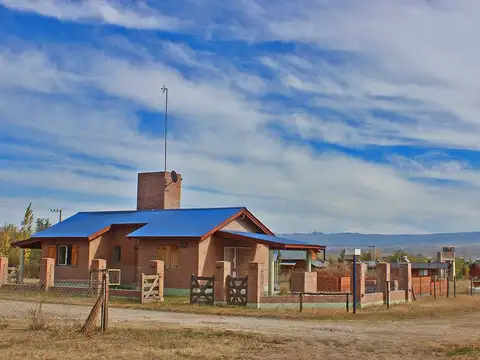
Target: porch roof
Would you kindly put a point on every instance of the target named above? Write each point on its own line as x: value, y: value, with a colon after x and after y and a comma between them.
x: 274, y: 242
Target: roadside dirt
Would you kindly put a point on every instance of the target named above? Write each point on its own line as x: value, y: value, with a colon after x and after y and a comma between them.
x: 378, y: 333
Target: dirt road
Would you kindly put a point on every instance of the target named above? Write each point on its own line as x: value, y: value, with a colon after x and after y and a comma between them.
x: 451, y: 329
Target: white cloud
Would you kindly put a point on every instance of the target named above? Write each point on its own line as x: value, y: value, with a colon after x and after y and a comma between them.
x: 221, y: 139
x: 137, y: 15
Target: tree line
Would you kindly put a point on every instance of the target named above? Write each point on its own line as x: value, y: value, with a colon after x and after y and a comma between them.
x: 10, y: 233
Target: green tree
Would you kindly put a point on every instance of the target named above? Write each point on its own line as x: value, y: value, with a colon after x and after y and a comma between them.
x: 27, y: 229
x: 5, y: 243
x: 42, y: 224
x: 8, y: 234
x: 462, y: 268
x: 341, y: 257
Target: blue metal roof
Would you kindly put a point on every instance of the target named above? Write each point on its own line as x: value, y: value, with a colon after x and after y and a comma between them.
x: 157, y: 223
x: 269, y: 238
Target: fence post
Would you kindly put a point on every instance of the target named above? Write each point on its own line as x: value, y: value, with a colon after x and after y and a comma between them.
x: 448, y: 287
x: 387, y: 297
x: 301, y: 302
x: 47, y: 273
x: 354, y: 283
x: 454, y: 286
x: 3, y: 270
x: 435, y: 287
x: 105, y: 294
x: 346, y: 302
x: 471, y: 285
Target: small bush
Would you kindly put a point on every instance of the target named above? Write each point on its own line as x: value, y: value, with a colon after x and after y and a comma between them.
x: 337, y: 270
x: 36, y: 318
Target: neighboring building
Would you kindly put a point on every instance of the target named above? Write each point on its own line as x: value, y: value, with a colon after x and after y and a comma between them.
x: 189, y: 241
x: 297, y: 260
x: 475, y: 269
x: 425, y: 269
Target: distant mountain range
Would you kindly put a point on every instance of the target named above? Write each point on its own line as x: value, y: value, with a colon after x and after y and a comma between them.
x: 467, y: 244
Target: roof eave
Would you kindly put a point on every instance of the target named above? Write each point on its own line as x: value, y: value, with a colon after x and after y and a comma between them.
x: 274, y: 245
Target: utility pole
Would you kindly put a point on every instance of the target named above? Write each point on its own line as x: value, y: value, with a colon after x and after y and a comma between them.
x: 59, y: 211
x: 165, y: 91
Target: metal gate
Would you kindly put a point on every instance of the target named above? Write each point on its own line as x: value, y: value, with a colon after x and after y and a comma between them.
x: 237, y: 290
x: 202, y: 290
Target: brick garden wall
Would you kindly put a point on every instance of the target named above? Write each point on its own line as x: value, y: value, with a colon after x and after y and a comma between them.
x: 424, y: 286
x: 397, y: 296
x: 307, y: 299
x: 328, y: 283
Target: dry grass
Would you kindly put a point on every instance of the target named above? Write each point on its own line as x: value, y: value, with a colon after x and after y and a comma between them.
x: 176, y: 343
x: 426, y: 308
x: 340, y: 269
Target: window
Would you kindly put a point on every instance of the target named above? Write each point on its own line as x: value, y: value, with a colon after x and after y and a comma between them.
x: 117, y: 253
x: 65, y: 255
x: 169, y: 255
x: 423, y: 272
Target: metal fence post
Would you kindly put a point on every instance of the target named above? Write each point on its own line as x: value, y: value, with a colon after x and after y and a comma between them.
x: 346, y: 303
x: 301, y: 302
x: 103, y: 316
x: 387, y: 297
x: 435, y: 287
x: 454, y: 286
x: 354, y: 285
x: 106, y: 284
x: 471, y: 285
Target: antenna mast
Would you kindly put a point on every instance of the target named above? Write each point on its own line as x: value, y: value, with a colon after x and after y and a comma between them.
x: 165, y: 91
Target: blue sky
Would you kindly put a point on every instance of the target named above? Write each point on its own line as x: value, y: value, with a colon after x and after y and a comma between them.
x: 318, y: 115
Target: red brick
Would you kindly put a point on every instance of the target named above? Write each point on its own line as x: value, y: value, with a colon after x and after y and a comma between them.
x: 156, y: 190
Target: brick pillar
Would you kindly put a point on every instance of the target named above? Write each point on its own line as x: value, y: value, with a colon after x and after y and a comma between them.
x: 383, y: 275
x: 256, y: 275
x: 97, y: 265
x: 304, y: 282
x: 158, y: 268
x: 222, y: 270
x: 405, y: 281
x: 3, y: 270
x: 47, y: 273
x: 361, y: 268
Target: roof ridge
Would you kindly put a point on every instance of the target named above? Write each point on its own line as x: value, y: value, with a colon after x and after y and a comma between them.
x: 156, y: 210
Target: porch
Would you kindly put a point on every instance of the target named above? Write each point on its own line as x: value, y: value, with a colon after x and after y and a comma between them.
x: 240, y: 255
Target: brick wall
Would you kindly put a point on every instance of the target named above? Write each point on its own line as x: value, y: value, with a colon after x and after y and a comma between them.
x: 373, y: 298
x: 157, y: 191
x: 424, y: 286
x: 303, y: 282
x: 82, y: 269
x: 326, y: 283
x: 308, y: 299
x: 397, y: 296
x: 175, y: 278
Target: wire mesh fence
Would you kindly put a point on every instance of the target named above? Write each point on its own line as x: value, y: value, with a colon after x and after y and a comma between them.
x: 42, y: 305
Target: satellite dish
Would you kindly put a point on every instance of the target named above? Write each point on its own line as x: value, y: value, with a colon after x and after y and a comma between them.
x: 174, y: 176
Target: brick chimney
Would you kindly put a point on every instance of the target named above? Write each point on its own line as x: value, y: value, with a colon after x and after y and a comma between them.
x: 157, y: 191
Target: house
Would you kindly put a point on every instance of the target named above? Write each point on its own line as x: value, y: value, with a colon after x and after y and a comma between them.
x: 189, y: 241
x: 425, y: 269
x: 297, y: 260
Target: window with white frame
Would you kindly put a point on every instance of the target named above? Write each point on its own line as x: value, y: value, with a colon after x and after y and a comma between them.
x: 64, y: 255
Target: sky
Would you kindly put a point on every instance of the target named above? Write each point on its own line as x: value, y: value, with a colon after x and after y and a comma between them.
x: 318, y: 115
